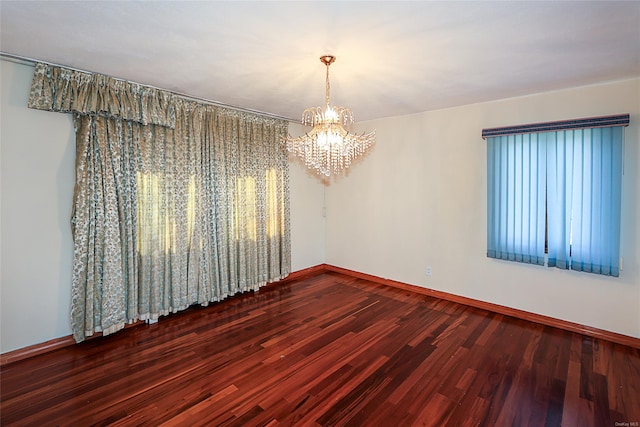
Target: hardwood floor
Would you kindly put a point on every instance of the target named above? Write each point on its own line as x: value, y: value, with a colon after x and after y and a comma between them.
x: 329, y: 350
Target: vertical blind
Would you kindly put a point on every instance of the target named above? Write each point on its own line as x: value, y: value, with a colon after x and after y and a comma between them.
x: 516, y: 170
x: 584, y: 199
x: 556, y: 188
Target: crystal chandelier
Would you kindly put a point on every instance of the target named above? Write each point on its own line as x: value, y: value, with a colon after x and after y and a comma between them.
x: 328, y: 148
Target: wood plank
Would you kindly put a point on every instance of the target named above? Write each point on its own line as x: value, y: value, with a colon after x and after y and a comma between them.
x: 496, y: 308
x: 328, y: 349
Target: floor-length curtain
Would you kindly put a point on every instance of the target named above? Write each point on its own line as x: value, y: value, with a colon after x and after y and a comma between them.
x: 516, y: 198
x: 104, y: 225
x: 176, y: 202
x: 252, y: 204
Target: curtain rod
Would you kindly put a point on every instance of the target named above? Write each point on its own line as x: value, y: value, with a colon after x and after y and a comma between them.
x: 32, y: 62
x: 571, y: 124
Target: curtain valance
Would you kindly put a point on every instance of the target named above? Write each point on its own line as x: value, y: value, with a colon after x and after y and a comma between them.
x: 69, y: 91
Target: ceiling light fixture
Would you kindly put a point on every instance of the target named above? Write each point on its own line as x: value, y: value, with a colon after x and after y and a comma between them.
x: 329, y: 148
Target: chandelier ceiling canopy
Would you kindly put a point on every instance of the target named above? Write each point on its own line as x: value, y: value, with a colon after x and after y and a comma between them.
x: 328, y: 148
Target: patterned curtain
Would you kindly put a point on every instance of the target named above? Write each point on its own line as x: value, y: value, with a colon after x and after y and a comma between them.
x: 176, y: 202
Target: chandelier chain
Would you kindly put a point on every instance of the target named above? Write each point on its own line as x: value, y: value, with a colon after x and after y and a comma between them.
x: 327, y: 87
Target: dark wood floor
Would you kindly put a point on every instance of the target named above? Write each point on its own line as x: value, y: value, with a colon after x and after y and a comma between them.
x: 330, y: 350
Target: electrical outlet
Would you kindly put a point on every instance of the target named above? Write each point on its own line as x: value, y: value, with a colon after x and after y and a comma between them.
x: 428, y: 271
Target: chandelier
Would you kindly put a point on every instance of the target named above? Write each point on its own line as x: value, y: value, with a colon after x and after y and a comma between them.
x: 329, y: 148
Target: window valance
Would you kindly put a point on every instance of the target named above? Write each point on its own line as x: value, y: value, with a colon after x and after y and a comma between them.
x: 70, y: 91
x: 592, y: 122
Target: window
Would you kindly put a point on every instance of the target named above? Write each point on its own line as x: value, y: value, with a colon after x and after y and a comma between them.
x: 248, y: 203
x: 155, y: 216
x: 554, y: 194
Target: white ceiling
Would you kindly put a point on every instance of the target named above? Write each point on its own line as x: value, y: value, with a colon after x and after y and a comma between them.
x: 393, y: 58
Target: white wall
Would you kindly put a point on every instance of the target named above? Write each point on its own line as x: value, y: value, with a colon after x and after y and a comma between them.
x: 37, y: 155
x: 307, y: 220
x: 419, y: 198
x: 37, y: 169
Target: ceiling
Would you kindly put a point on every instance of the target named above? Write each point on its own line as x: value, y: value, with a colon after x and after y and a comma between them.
x: 393, y: 58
